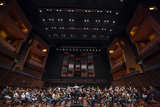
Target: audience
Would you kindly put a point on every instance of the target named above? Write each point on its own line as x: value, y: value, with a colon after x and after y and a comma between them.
x: 104, y: 97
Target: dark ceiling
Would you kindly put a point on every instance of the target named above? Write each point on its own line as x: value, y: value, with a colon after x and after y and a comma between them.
x: 79, y: 21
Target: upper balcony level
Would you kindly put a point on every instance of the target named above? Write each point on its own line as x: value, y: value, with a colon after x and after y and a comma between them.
x: 116, y: 55
x: 144, y: 30
x: 37, y: 54
x: 14, y: 28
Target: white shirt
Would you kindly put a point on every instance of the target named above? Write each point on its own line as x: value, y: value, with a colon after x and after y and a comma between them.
x: 54, y: 96
x: 23, y: 96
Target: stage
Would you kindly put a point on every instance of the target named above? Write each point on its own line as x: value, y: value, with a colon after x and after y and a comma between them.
x: 95, y: 65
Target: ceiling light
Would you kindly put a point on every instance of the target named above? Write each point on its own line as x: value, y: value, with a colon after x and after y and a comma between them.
x: 71, y: 35
x: 93, y: 36
x: 107, y: 11
x: 84, y: 35
x: 40, y: 11
x: 151, y: 8
x: 63, y: 35
x: 43, y: 20
x: 114, y: 21
x: 110, y: 30
x: 97, y: 29
x: 97, y: 21
x: 102, y: 36
x: 46, y: 28
x: 121, y: 0
x: 86, y: 20
x: 54, y: 27
x: 44, y: 50
x: 117, y: 13
x: 49, y: 35
x: 60, y: 20
x: 55, y: 35
x: 85, y: 28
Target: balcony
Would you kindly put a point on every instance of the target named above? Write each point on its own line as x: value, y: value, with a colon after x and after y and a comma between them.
x: 150, y: 46
x: 7, y: 48
x: 117, y: 66
x: 36, y: 59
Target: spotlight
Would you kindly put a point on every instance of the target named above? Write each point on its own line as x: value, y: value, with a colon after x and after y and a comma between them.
x: 114, y: 21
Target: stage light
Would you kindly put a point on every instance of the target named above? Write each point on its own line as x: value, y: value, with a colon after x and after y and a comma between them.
x: 44, y: 50
x: 152, y: 8
x: 111, y: 51
x: 114, y: 21
x: 110, y: 30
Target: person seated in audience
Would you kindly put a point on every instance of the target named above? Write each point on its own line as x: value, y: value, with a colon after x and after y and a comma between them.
x: 95, y: 96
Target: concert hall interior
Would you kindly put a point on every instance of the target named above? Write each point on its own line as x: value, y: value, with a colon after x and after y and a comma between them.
x: 75, y: 53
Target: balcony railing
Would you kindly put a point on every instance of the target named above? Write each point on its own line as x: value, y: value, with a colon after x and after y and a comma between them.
x: 7, y: 45
x: 118, y: 63
x: 34, y: 63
